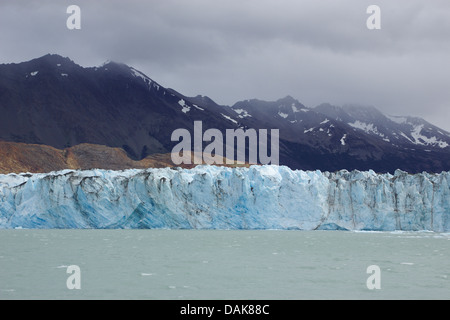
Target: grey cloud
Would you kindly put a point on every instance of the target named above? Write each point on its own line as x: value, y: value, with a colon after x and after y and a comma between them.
x: 233, y: 50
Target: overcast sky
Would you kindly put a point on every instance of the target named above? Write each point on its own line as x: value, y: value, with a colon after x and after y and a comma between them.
x: 231, y: 50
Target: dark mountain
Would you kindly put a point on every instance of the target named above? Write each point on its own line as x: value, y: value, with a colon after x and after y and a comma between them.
x: 55, y: 102
x: 352, y: 137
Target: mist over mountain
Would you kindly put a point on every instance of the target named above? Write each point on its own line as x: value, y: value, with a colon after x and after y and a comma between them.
x: 52, y: 101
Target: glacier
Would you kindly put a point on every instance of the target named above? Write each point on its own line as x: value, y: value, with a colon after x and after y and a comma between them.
x: 213, y: 197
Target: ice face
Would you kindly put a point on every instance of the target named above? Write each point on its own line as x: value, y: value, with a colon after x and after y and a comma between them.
x: 210, y: 197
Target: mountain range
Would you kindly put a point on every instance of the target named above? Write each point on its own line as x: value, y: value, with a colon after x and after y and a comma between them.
x: 120, y: 118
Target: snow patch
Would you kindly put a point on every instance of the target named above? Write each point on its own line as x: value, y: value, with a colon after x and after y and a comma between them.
x: 242, y: 113
x: 142, y: 76
x: 197, y: 107
x: 283, y: 115
x: 295, y: 109
x: 343, y: 139
x: 368, y: 128
x: 229, y: 118
x: 420, y: 139
x: 406, y: 137
x: 185, y: 108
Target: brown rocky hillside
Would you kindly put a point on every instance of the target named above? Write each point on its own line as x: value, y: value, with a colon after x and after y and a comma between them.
x: 22, y: 157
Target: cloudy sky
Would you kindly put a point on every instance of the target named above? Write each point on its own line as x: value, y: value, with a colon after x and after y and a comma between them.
x: 231, y: 50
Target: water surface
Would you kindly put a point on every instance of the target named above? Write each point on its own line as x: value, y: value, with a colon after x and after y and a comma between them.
x: 213, y: 264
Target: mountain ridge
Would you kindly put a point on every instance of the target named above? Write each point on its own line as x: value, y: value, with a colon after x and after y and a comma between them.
x: 53, y: 101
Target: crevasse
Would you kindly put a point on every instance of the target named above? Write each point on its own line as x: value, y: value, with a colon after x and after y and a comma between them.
x: 210, y: 197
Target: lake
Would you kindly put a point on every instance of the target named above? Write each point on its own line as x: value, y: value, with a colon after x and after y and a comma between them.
x: 223, y: 264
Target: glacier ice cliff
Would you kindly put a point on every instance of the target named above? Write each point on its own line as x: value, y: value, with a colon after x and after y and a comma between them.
x: 210, y: 197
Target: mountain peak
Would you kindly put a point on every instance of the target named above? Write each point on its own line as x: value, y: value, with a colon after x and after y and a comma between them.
x: 116, y: 66
x: 362, y: 111
x: 288, y: 98
x: 52, y: 59
x: 335, y: 112
x: 114, y: 63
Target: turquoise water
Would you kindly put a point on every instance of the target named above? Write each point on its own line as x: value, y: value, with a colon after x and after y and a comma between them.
x: 212, y: 264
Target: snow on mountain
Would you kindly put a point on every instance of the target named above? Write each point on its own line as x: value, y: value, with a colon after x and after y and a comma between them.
x: 242, y: 113
x: 421, y: 139
x: 366, y: 127
x: 115, y: 105
x: 197, y: 107
x: 185, y: 108
x: 343, y: 139
x: 286, y: 108
x: 349, y: 132
x: 139, y: 74
x: 403, y: 132
x: 147, y: 80
x: 283, y: 115
x: 229, y: 118
x: 210, y: 197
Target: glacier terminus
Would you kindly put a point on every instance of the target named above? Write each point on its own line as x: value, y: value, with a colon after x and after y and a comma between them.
x: 213, y: 197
